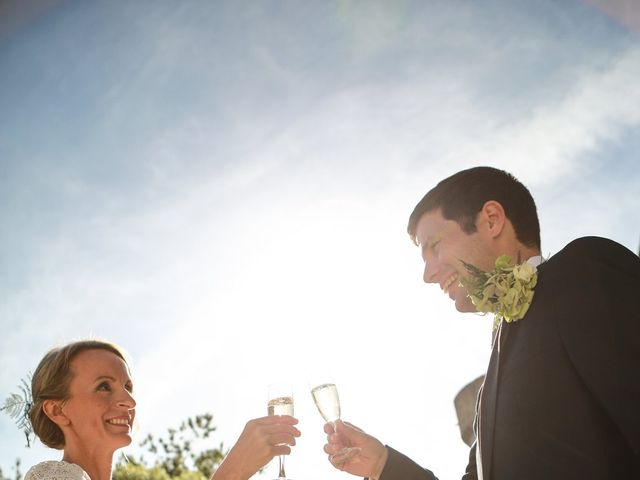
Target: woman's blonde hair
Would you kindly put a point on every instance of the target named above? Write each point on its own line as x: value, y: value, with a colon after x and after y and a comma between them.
x: 51, y: 381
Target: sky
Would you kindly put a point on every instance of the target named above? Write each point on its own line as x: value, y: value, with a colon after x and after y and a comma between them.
x: 222, y: 188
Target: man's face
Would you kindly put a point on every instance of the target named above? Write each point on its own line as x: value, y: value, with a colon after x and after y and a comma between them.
x: 444, y: 244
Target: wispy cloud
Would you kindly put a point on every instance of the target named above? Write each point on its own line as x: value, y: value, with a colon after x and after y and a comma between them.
x: 554, y: 140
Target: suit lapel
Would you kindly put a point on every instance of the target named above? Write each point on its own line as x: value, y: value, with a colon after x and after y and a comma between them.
x: 488, y: 402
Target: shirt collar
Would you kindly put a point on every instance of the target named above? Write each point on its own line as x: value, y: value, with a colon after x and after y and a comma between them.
x: 535, y: 261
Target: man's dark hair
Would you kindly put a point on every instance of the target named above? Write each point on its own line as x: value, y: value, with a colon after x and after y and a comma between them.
x: 461, y: 196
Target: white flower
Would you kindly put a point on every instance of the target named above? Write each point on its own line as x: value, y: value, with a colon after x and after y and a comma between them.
x: 524, y: 272
x: 507, y: 291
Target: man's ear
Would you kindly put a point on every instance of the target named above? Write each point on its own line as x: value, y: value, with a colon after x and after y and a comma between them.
x: 493, y: 218
x: 53, y: 410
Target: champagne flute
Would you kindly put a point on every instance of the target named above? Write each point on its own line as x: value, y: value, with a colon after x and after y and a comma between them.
x: 325, y: 396
x: 280, y: 403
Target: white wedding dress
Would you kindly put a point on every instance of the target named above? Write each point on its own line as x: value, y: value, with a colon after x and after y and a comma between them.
x: 53, y: 470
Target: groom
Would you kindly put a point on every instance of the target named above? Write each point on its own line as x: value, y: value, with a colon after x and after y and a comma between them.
x: 561, y: 397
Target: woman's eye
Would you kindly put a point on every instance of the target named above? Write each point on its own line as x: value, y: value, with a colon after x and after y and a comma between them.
x: 129, y: 387
x: 104, y: 387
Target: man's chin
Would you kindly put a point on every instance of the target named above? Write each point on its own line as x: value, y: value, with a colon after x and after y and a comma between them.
x: 465, y: 306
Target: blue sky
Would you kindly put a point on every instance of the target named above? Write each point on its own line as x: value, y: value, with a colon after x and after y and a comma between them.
x: 223, y: 189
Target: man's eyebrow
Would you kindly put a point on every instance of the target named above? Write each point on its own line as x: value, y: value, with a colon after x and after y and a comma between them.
x: 430, y: 240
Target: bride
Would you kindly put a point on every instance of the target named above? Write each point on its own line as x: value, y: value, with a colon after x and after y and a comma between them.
x: 83, y: 404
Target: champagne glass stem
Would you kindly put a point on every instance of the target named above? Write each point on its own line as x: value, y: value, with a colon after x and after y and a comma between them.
x: 281, y: 469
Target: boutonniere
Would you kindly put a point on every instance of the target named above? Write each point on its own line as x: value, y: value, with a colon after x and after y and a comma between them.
x: 506, y: 291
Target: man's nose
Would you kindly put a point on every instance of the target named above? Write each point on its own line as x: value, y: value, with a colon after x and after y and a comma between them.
x: 430, y: 271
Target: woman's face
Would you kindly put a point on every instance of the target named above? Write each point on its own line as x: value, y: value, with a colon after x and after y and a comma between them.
x: 101, y: 407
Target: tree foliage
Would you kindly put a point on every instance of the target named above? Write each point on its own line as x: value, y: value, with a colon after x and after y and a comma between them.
x: 17, y: 475
x: 17, y: 406
x: 177, y: 455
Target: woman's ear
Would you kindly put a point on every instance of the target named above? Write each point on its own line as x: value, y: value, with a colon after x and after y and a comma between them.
x: 493, y: 217
x: 53, y: 410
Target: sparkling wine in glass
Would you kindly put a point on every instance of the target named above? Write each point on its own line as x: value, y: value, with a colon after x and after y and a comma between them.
x: 325, y: 396
x: 280, y: 403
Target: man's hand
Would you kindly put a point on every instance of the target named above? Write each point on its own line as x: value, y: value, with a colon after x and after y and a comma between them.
x: 352, y: 450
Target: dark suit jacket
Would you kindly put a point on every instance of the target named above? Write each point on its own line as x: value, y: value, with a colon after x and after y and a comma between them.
x: 561, y: 398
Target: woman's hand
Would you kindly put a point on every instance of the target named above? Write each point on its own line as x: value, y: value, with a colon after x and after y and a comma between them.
x: 260, y: 441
